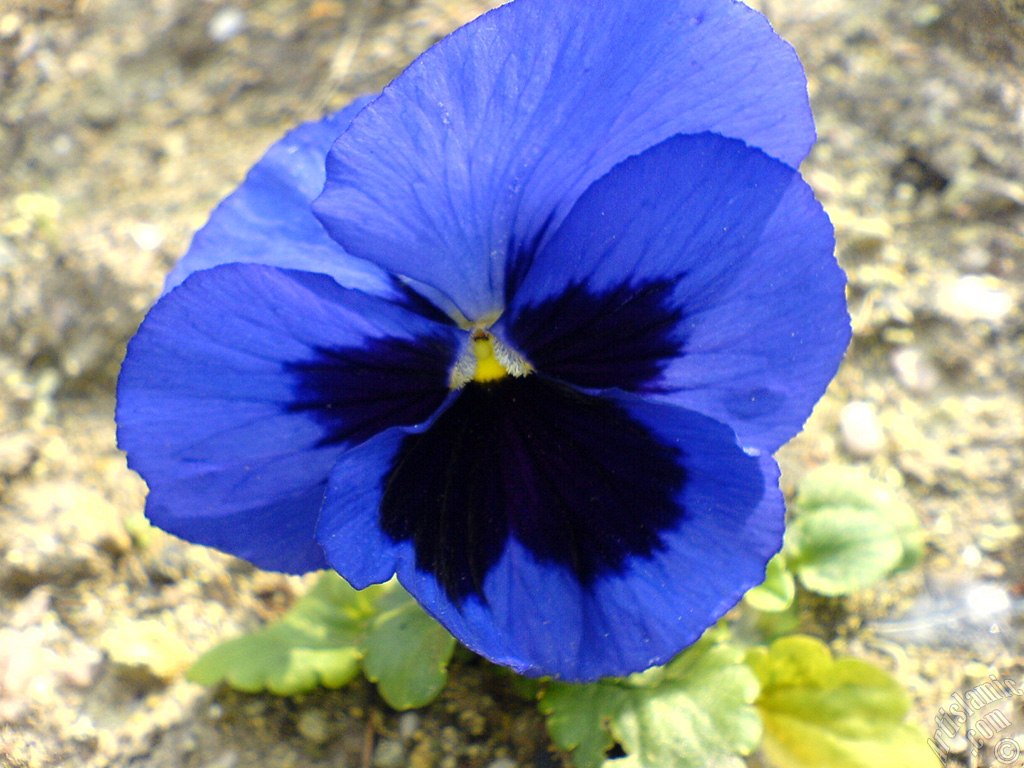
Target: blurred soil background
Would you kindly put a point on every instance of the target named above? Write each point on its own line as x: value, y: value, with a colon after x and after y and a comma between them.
x: 123, y: 122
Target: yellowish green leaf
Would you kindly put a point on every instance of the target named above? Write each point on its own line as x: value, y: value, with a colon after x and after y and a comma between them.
x: 822, y: 712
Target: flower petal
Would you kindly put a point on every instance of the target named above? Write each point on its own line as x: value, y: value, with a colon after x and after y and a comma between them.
x: 555, y: 532
x: 268, y: 219
x: 487, y: 140
x: 245, y: 384
x: 701, y: 272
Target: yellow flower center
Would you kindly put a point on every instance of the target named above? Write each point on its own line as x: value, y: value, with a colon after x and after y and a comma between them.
x: 487, y: 360
x: 487, y: 366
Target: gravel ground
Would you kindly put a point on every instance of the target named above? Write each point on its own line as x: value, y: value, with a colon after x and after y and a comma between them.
x: 122, y: 122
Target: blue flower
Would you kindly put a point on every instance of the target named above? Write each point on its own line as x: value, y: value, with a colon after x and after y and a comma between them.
x: 531, y: 348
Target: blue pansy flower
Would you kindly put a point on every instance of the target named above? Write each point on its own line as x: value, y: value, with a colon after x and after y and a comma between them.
x: 531, y: 348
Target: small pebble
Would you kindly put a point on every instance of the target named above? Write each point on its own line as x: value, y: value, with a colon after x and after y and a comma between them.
x: 17, y: 452
x: 408, y: 724
x: 148, y: 237
x: 62, y: 145
x: 312, y: 724
x: 863, y: 235
x: 228, y: 759
x: 983, y: 194
x: 974, y: 258
x: 80, y: 64
x: 978, y: 670
x: 926, y: 14
x: 957, y: 744
x: 102, y: 109
x: 225, y: 24
x: 862, y: 434
x: 975, y: 297
x: 80, y: 665
x: 423, y: 755
x: 450, y: 740
x: 996, y: 538
x: 82, y: 730
x: 986, y: 601
x: 504, y: 762
x: 971, y: 556
x: 388, y: 754
x: 32, y: 609
x: 915, y: 370
x: 10, y: 25
x: 474, y: 723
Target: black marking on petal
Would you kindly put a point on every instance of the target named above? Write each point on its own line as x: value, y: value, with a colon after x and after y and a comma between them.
x: 357, y: 392
x: 573, y: 477
x: 622, y: 337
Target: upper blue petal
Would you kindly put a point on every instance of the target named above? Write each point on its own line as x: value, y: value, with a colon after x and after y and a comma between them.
x: 700, y: 272
x: 563, y: 534
x: 268, y: 219
x: 486, y: 141
x: 246, y: 383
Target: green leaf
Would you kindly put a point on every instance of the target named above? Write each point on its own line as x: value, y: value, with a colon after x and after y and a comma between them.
x: 315, y: 643
x: 407, y: 653
x: 836, y: 485
x: 326, y: 638
x: 579, y: 718
x: 696, y: 711
x: 839, y: 550
x: 821, y: 712
x: 777, y: 591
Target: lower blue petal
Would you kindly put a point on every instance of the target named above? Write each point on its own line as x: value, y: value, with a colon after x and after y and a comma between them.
x: 246, y: 383
x: 558, y: 533
x: 535, y: 460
